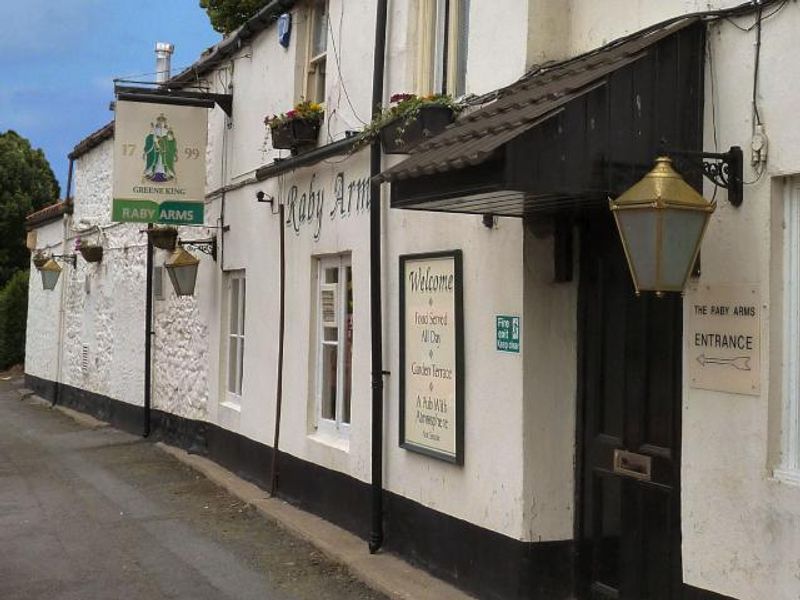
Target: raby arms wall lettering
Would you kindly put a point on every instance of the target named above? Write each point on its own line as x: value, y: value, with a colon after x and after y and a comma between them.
x: 307, y: 206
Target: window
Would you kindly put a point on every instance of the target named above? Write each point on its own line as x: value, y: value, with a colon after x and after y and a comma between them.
x: 158, y: 283
x: 334, y: 343
x: 442, y: 62
x: 790, y: 463
x: 317, y: 51
x: 236, y: 303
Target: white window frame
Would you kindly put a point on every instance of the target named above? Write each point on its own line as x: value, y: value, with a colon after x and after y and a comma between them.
x: 338, y: 426
x: 238, y: 280
x: 789, y: 469
x: 315, y: 86
x: 442, y: 27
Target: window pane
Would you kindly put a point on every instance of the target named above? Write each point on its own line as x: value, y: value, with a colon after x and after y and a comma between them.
x: 348, y: 346
x: 243, y: 301
x: 240, y: 366
x: 233, y: 361
x: 320, y: 39
x: 328, y: 395
x: 332, y: 275
x: 233, y: 307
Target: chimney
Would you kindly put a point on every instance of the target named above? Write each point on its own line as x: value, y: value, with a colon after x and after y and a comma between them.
x: 164, y: 52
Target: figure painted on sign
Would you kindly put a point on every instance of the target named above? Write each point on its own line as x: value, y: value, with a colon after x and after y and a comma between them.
x: 160, y: 152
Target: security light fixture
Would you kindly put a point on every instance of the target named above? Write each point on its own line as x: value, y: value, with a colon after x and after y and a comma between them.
x: 182, y: 270
x: 661, y: 222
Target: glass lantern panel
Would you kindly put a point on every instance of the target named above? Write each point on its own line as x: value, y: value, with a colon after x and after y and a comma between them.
x: 50, y: 279
x: 681, y: 235
x: 639, y: 228
x: 183, y: 279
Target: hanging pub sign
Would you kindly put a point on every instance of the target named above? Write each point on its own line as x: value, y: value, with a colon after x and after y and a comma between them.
x: 432, y: 355
x: 159, y: 163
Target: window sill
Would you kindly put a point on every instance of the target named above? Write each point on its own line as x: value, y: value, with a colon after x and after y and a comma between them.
x: 332, y: 440
x: 789, y: 476
x: 230, y: 405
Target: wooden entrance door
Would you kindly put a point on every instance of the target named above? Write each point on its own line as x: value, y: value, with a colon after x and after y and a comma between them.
x: 630, y: 390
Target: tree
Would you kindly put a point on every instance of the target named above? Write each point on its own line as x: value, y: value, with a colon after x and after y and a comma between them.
x: 13, y: 319
x: 228, y: 15
x: 27, y: 184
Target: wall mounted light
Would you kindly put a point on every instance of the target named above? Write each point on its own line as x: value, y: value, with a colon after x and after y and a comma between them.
x: 182, y: 270
x: 182, y: 265
x: 51, y: 270
x: 661, y: 221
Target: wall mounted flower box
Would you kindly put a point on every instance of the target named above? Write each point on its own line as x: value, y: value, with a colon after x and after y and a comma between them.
x: 293, y: 134
x: 401, y: 135
x: 91, y: 253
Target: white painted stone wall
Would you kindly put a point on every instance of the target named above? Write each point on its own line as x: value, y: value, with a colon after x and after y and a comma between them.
x: 41, y: 337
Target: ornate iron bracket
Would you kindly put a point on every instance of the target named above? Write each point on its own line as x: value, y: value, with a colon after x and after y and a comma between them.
x: 208, y: 246
x: 66, y: 258
x: 725, y: 169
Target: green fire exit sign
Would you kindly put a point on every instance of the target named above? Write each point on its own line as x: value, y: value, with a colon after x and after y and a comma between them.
x: 507, y: 333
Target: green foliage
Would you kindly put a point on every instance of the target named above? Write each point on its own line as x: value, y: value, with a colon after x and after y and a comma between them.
x: 228, y: 15
x: 27, y: 184
x: 404, y: 108
x: 13, y: 319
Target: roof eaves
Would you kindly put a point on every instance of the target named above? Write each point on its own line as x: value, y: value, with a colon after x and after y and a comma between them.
x: 48, y: 214
x: 92, y: 140
x: 232, y: 43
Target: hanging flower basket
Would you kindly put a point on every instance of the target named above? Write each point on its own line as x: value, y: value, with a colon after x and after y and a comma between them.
x: 40, y: 259
x: 91, y: 253
x: 163, y: 237
x: 297, y: 128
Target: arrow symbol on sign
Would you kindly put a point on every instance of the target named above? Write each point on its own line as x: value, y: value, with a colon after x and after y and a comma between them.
x: 742, y: 363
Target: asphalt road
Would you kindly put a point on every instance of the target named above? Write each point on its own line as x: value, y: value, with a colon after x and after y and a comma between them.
x: 99, y: 514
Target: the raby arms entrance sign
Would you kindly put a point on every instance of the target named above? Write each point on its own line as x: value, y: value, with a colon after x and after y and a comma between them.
x: 432, y: 355
x: 159, y: 163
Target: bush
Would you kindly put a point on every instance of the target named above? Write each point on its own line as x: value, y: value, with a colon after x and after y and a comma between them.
x: 13, y: 319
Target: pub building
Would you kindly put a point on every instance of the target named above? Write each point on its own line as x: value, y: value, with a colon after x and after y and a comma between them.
x: 551, y: 353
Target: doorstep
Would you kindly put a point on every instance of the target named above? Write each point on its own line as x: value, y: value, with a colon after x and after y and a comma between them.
x: 384, y: 572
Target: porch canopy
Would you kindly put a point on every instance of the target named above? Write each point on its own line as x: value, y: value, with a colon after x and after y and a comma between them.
x: 566, y: 136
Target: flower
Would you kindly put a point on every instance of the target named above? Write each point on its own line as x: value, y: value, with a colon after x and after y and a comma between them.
x: 405, y: 108
x: 307, y: 111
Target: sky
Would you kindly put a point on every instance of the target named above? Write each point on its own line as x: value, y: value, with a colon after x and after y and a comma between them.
x: 58, y: 60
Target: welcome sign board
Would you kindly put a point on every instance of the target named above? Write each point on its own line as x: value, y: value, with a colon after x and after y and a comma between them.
x: 432, y: 355
x: 159, y: 163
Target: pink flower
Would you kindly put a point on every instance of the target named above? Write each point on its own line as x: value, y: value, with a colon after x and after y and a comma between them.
x: 401, y: 97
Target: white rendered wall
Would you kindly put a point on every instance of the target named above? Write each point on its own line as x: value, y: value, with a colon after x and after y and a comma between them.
x: 741, y: 526
x: 550, y: 338
x: 41, y: 337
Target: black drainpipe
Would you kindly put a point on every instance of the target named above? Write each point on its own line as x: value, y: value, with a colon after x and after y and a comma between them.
x: 376, y: 318
x: 148, y: 333
x: 273, y: 488
x: 57, y: 394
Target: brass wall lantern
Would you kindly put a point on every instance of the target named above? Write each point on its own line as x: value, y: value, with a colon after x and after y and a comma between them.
x: 51, y: 270
x: 661, y: 221
x: 182, y: 265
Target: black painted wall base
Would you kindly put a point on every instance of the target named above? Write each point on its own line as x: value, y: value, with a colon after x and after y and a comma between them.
x: 485, y: 563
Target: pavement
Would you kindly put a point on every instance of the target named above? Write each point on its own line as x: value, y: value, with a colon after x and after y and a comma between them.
x: 87, y: 511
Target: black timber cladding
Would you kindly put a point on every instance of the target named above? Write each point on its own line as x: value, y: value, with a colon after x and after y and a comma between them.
x: 567, y: 136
